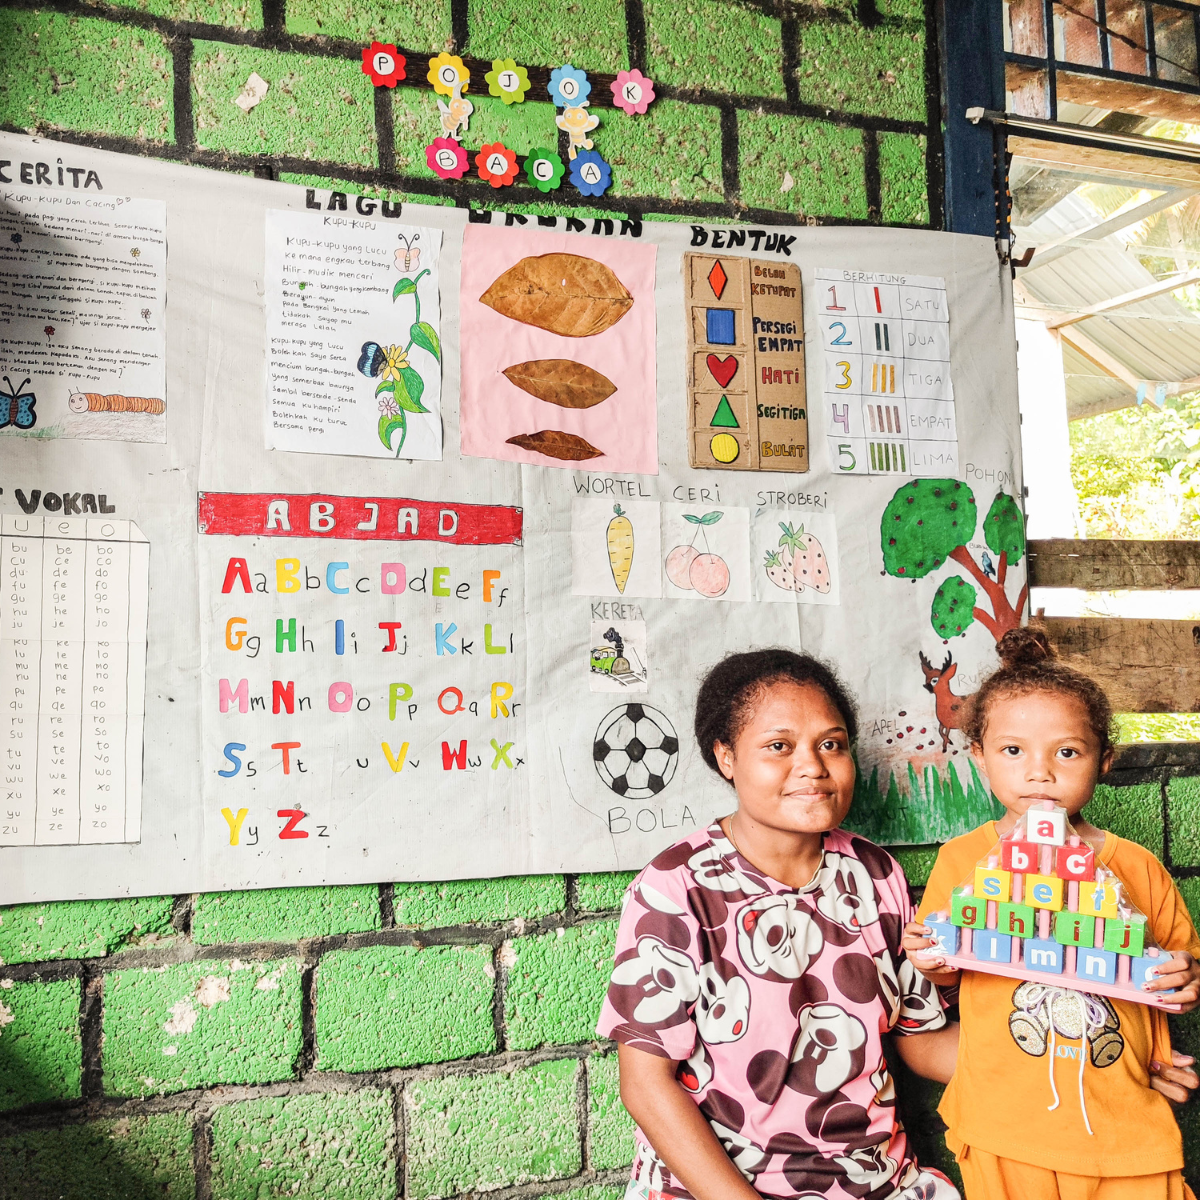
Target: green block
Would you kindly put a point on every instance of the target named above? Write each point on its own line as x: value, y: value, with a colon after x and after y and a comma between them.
x: 556, y: 984
x: 284, y: 914
x: 602, y: 892
x: 422, y: 25
x: 904, y: 197
x: 200, y: 1024
x: 1076, y: 929
x: 394, y: 1006
x: 477, y: 901
x: 1125, y: 937
x: 916, y: 862
x: 716, y: 45
x: 673, y: 152
x: 1017, y: 920
x: 1131, y: 812
x: 825, y: 163
x: 81, y: 928
x: 132, y: 1158
x: 234, y: 14
x: 610, y: 1127
x: 848, y: 68
x: 586, y: 33
x: 1183, y: 811
x: 467, y: 1133
x: 41, y: 1055
x: 313, y: 1147
x: 321, y: 108
x: 84, y: 75
x: 969, y: 911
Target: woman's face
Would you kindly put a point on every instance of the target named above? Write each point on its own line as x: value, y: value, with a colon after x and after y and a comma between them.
x: 791, y: 761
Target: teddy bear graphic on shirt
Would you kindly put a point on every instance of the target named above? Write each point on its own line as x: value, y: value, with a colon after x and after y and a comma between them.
x: 1035, y: 1005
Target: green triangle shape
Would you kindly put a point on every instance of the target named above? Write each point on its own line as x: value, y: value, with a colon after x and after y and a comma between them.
x: 723, y: 417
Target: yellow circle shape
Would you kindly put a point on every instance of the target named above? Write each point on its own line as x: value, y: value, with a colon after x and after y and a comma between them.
x: 724, y: 447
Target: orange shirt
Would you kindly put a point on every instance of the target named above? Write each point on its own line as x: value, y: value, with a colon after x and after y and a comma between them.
x: 1001, y: 1092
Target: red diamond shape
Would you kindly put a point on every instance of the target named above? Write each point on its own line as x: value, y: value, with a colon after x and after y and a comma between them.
x: 717, y: 279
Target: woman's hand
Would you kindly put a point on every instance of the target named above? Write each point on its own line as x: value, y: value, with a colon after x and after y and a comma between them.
x: 1177, y: 1081
x: 930, y: 962
x: 1183, y: 974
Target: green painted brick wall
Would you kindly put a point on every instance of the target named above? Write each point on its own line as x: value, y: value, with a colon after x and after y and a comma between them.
x: 284, y: 914
x: 40, y: 1042
x: 81, y: 928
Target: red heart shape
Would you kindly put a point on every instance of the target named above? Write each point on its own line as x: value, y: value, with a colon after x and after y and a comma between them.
x: 722, y: 369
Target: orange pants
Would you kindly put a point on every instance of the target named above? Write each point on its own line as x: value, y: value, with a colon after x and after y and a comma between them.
x: 987, y: 1177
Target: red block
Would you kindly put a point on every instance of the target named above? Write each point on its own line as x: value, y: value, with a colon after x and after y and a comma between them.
x: 1075, y: 862
x: 1019, y: 856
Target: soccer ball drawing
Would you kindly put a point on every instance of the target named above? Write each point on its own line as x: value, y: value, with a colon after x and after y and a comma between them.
x: 636, y: 751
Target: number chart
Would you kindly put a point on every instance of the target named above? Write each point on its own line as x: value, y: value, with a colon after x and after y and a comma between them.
x: 889, y: 401
x: 73, y: 678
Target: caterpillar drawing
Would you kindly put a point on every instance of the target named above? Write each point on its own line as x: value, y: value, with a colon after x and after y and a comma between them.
x: 94, y: 402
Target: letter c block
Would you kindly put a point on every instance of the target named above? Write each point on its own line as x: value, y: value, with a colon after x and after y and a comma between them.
x: 1075, y: 862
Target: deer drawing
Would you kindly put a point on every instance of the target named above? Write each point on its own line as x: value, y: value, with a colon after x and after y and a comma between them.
x: 948, y: 705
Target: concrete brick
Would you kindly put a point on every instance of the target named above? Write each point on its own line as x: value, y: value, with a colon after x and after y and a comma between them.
x: 603, y: 892
x: 481, y: 1132
x: 133, y: 1158
x: 394, y: 1006
x: 556, y: 984
x: 714, y: 44
x: 880, y: 71
x: 89, y: 76
x: 825, y: 162
x: 917, y: 862
x: 41, y: 1055
x: 478, y: 901
x: 319, y: 108
x: 234, y: 14
x: 904, y: 196
x: 596, y: 1192
x: 306, y: 1147
x: 420, y: 25
x: 284, y: 914
x: 1183, y: 807
x: 587, y: 33
x: 81, y: 928
x: 200, y: 1024
x: 610, y: 1127
x: 1131, y: 812
x: 673, y: 152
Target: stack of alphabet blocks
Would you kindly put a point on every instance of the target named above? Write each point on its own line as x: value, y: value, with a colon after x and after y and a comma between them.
x: 1041, y: 908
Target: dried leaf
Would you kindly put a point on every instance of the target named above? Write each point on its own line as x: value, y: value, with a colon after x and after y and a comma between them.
x: 561, y: 381
x: 553, y: 443
x: 566, y: 294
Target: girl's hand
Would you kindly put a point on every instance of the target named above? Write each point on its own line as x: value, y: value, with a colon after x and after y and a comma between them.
x: 1176, y: 1081
x: 1181, y: 973
x: 931, y: 963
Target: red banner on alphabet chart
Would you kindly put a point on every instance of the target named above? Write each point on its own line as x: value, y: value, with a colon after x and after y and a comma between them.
x: 358, y: 518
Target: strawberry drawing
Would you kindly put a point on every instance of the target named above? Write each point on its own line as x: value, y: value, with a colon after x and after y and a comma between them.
x: 779, y: 572
x: 806, y: 556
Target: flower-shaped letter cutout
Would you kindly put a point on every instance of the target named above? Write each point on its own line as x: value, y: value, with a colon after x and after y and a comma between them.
x: 384, y: 63
x: 446, y: 158
x: 507, y: 81
x: 632, y: 91
x: 448, y: 75
x: 568, y: 86
x: 497, y: 164
x: 590, y: 173
x: 544, y: 169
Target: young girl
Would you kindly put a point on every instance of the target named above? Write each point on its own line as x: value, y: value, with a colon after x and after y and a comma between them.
x: 1052, y: 1094
x: 758, y: 966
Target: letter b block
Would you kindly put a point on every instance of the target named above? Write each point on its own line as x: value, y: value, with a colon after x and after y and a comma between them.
x: 1018, y: 856
x: 1044, y: 891
x: 992, y: 884
x: 1019, y: 920
x: 1041, y: 954
x: 1074, y: 929
x: 944, y: 935
x: 1125, y: 937
x: 1098, y: 899
x: 990, y: 946
x: 968, y: 911
x: 1074, y: 862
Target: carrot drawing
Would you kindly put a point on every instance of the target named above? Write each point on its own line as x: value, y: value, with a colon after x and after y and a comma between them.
x: 620, y: 548
x: 94, y: 402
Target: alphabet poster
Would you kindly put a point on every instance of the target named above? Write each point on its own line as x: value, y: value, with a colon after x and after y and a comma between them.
x: 416, y: 570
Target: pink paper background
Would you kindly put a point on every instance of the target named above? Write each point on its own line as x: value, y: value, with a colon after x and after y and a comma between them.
x: 625, y: 426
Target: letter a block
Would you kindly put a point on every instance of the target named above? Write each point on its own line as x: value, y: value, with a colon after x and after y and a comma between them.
x: 990, y: 946
x: 1125, y: 937
x: 1100, y: 965
x: 1074, y: 862
x: 1046, y: 827
x: 1044, y: 891
x: 1074, y: 929
x: 1018, y: 856
x: 1041, y: 954
x: 1098, y: 899
x: 992, y: 884
x: 944, y: 935
x: 1019, y: 920
x: 968, y: 911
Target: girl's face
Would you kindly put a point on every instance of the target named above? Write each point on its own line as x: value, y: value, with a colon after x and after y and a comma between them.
x: 791, y: 762
x: 1041, y: 746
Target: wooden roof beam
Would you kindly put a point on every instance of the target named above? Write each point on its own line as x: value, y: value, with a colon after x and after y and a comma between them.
x: 1159, y: 288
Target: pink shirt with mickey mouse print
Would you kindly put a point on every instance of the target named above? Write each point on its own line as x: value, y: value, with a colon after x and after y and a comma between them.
x: 774, y: 1001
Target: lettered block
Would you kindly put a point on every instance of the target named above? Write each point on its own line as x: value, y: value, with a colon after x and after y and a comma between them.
x: 944, y: 935
x: 1097, y: 965
x: 968, y: 911
x: 1018, y: 856
x: 1044, y: 891
x: 1019, y: 920
x: 992, y: 884
x: 1125, y: 937
x: 1141, y: 970
x: 990, y: 946
x: 1098, y: 899
x: 1042, y: 954
x: 1074, y: 929
x: 1074, y: 862
x: 1046, y: 827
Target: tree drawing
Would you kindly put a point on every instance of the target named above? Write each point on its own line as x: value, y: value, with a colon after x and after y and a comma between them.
x: 929, y: 522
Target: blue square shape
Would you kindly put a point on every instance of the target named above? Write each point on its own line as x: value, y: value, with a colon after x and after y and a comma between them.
x: 1045, y: 955
x: 944, y: 935
x: 990, y: 946
x: 720, y: 327
x: 1097, y: 966
x: 1140, y: 968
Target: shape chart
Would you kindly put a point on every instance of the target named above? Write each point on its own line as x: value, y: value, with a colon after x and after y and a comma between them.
x: 888, y: 398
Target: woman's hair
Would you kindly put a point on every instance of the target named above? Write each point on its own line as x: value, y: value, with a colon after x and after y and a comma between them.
x: 1027, y: 665
x: 731, y: 689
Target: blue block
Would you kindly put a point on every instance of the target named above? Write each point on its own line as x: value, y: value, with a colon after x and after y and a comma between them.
x: 720, y: 327
x: 944, y: 935
x: 1100, y: 966
x: 1044, y: 954
x: 990, y: 946
x: 1140, y: 968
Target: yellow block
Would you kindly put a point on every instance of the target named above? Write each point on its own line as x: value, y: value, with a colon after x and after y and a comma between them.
x: 1044, y: 891
x: 1098, y: 899
x: 993, y: 884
